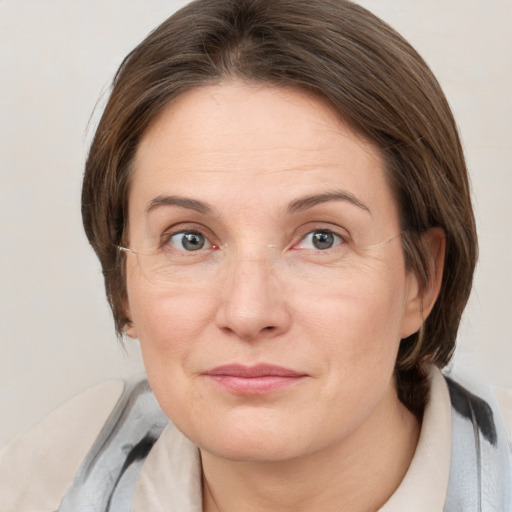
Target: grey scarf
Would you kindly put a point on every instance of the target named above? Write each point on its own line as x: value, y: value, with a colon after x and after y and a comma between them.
x: 480, y: 472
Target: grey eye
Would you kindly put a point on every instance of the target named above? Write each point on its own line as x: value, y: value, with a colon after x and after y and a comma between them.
x: 322, y: 240
x: 188, y: 241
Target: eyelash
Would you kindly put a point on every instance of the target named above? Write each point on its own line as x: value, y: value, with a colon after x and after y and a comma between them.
x: 165, y: 240
x: 340, y: 239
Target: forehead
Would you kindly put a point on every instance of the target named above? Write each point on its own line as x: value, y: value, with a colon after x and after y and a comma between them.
x: 258, y: 140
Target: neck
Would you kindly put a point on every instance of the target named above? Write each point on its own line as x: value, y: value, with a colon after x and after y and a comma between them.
x: 358, y: 474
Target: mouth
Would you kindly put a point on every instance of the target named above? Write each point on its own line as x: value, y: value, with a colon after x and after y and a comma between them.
x: 253, y: 380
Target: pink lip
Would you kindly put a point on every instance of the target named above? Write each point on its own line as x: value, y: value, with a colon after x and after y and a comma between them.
x: 253, y: 380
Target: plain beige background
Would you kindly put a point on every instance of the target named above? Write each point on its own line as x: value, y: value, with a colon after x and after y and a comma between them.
x: 56, y: 59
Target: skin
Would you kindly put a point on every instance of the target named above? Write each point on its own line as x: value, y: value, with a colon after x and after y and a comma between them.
x: 259, y: 292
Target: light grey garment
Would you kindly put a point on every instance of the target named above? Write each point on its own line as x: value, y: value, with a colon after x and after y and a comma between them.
x: 480, y: 471
x: 108, y: 476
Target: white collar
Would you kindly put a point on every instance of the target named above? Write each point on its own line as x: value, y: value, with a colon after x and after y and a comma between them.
x: 425, y: 484
x: 170, y: 479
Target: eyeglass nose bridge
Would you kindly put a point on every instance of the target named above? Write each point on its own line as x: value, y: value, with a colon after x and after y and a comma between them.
x: 269, y: 254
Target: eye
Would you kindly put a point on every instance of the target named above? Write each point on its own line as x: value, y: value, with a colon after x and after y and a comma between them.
x: 320, y: 240
x: 189, y: 241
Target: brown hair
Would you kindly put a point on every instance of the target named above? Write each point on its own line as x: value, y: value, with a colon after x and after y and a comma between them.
x: 371, y: 76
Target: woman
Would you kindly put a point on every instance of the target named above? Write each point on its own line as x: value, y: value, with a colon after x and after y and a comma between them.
x: 278, y: 197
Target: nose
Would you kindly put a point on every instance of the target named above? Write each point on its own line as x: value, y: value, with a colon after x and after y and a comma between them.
x: 253, y: 305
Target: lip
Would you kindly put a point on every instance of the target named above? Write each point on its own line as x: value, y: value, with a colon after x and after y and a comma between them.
x: 254, y: 380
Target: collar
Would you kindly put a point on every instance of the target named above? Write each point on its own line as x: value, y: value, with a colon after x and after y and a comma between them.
x: 425, y: 484
x: 170, y: 479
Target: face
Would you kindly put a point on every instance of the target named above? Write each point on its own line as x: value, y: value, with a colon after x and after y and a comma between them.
x: 270, y: 293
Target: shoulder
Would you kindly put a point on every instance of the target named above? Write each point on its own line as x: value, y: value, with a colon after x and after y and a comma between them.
x: 37, y: 467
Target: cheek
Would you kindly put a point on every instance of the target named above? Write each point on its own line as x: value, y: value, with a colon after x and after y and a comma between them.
x: 356, y: 332
x: 356, y: 321
x: 170, y: 327
x: 168, y: 322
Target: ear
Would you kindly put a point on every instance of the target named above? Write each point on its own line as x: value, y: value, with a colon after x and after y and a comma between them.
x: 130, y: 329
x: 421, y: 299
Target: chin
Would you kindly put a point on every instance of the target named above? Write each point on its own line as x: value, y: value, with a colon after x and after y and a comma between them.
x: 262, y: 449
x: 253, y: 439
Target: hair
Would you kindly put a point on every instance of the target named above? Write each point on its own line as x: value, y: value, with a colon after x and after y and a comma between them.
x: 370, y: 75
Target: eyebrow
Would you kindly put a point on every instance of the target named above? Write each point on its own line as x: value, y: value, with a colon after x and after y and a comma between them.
x: 306, y: 202
x: 298, y: 205
x: 183, y: 202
